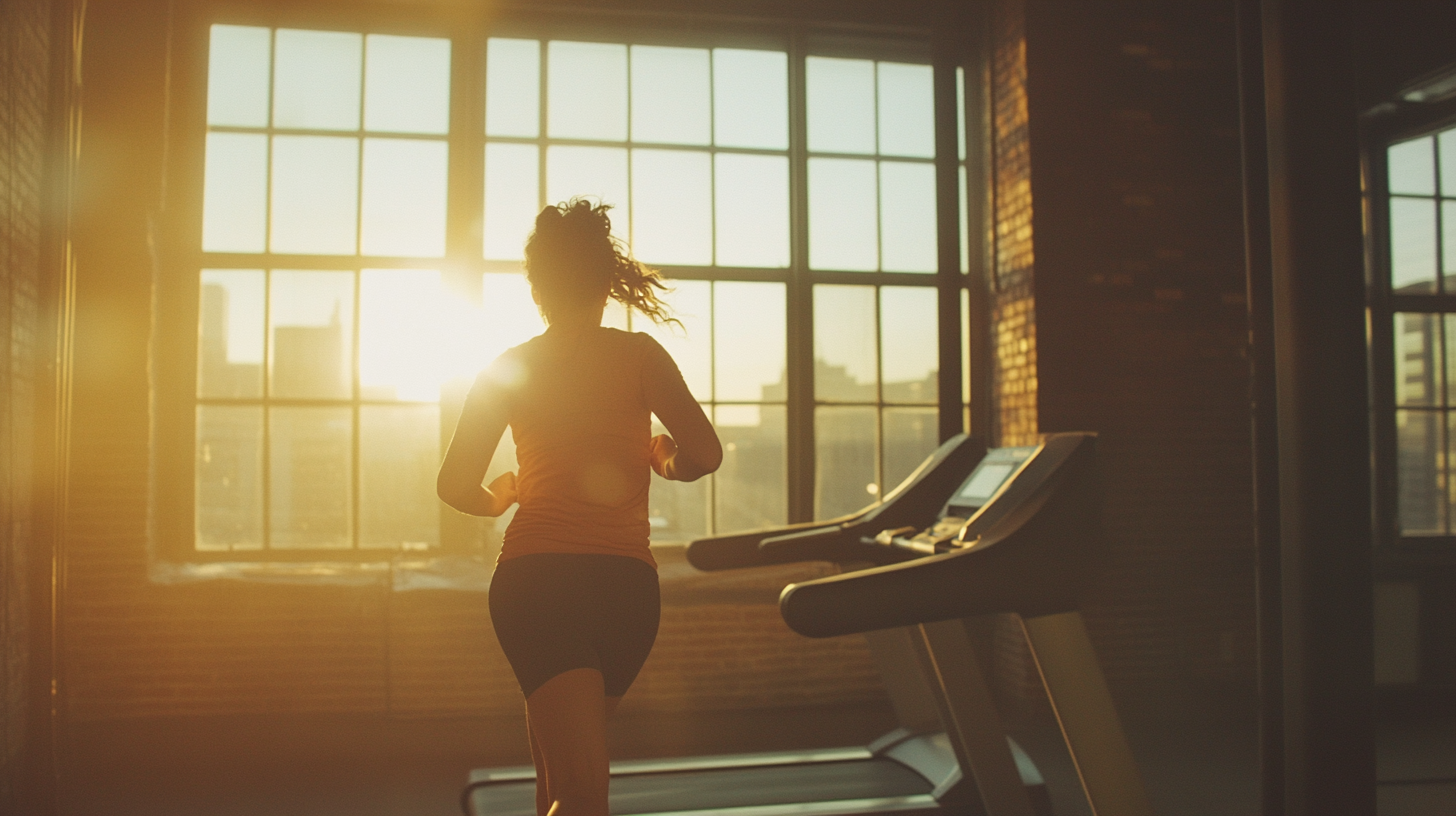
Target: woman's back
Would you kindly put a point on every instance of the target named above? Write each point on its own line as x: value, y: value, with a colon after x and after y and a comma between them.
x: 581, y: 420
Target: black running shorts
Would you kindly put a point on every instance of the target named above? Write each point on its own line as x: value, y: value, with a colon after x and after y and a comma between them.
x: 554, y: 612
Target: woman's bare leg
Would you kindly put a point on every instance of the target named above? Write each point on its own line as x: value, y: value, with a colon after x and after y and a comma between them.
x: 543, y: 785
x: 568, y: 721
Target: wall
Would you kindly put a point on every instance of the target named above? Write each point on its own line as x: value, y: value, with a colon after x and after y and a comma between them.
x: 25, y: 55
x: 1140, y: 327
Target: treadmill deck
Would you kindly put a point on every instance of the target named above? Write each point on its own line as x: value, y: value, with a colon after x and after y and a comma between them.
x: 836, y: 787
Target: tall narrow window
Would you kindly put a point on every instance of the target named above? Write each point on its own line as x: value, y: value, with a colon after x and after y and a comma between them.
x: 871, y: 206
x: 1418, y: 199
x: 317, y: 419
x: 690, y: 147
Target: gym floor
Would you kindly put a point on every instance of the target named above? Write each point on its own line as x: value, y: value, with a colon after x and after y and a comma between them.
x: 1197, y: 749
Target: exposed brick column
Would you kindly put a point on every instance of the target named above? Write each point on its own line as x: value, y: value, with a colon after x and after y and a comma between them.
x: 24, y: 111
x: 1013, y: 317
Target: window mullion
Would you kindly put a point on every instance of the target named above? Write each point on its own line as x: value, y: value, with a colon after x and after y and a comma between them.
x: 799, y: 300
x: 948, y: 234
x: 267, y: 457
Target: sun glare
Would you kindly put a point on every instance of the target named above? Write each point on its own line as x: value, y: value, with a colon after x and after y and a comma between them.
x: 416, y: 335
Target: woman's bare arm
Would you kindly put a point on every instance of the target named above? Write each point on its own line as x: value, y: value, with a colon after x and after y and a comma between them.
x: 693, y: 450
x: 482, y: 424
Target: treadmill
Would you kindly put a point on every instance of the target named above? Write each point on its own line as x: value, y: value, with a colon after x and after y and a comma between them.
x: 925, y: 766
x: 1030, y: 547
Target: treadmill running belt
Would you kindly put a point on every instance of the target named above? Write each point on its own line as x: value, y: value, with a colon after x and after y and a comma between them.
x: 867, y: 779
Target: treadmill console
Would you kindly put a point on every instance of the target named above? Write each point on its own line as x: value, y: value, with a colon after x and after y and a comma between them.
x: 993, y: 472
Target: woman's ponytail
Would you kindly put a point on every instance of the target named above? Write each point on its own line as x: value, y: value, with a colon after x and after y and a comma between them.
x: 572, y: 259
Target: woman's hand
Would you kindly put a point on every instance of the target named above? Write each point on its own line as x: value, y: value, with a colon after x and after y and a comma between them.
x: 503, y: 492
x: 660, y: 452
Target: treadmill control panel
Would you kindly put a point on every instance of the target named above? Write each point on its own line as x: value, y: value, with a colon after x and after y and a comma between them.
x: 993, y: 472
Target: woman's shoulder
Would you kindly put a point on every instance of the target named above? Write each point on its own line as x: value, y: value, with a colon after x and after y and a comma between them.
x: 507, y: 370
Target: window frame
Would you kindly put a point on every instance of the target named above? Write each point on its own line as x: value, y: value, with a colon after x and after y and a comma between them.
x: 180, y: 257
x: 1383, y: 127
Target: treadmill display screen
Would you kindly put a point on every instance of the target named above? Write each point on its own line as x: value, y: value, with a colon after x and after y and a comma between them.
x: 998, y: 466
x: 982, y: 484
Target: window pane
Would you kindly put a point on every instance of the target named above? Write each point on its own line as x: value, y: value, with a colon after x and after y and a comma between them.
x: 841, y: 105
x: 1417, y: 364
x: 909, y: 344
x: 237, y: 76
x: 512, y: 198
x: 844, y: 461
x: 672, y: 207
x: 1448, y: 244
x: 907, y: 110
x: 513, y: 88
x: 907, y: 217
x: 586, y: 94
x: 312, y: 325
x: 842, y: 215
x: 844, y: 343
x: 599, y: 172
x: 752, y: 210
x: 511, y: 317
x: 1450, y: 358
x: 404, y: 346
x: 1412, y: 245
x: 751, y: 98
x: 403, y: 211
x: 407, y: 84
x: 678, y: 511
x: 235, y: 193
x: 961, y: 225
x: 229, y: 477
x: 692, y: 345
x: 910, y: 435
x: 615, y: 316
x: 1447, y: 143
x: 230, y: 333
x: 1421, y: 481
x: 961, y: 113
x: 751, y: 486
x: 1411, y: 167
x: 315, y: 194
x: 749, y: 333
x: 965, y: 347
x: 1443, y: 483
x: 670, y: 95
x: 316, y: 79
x: 399, y: 453
x: 310, y: 456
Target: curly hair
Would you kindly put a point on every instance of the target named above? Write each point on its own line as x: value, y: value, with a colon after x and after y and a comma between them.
x: 573, y: 261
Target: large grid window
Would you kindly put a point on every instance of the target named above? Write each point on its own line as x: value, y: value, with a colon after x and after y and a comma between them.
x: 776, y: 188
x: 317, y: 418
x: 1420, y: 199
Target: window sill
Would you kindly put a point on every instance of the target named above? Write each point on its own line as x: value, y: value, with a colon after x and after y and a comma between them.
x: 682, y: 584
x: 401, y: 574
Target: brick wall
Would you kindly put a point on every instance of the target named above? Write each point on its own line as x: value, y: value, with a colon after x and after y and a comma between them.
x: 24, y: 91
x: 1013, y: 317
x: 1138, y: 326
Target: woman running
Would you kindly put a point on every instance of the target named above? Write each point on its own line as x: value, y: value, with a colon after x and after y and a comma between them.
x: 574, y: 599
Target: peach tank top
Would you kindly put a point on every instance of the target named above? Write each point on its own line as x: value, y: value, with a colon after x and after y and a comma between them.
x: 579, y: 414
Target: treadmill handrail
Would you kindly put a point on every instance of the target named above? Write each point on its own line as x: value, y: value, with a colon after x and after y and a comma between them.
x: 741, y: 550
x: 1029, y: 577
